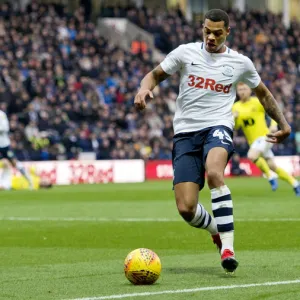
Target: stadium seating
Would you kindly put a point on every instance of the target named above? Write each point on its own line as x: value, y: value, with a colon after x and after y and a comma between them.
x: 66, y: 89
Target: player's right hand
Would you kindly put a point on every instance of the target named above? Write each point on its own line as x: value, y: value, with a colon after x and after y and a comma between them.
x: 140, y: 99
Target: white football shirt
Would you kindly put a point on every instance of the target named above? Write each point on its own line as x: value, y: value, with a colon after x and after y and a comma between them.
x: 4, y: 130
x: 207, y: 85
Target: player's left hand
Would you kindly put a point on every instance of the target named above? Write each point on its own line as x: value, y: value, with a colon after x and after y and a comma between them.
x: 278, y: 136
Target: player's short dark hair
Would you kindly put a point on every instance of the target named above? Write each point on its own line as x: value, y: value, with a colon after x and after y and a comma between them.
x: 217, y: 15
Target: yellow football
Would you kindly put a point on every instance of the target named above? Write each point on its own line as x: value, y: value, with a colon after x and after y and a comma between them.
x: 142, y: 266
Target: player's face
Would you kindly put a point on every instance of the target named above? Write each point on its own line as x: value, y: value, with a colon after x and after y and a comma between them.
x: 243, y: 91
x: 214, y: 34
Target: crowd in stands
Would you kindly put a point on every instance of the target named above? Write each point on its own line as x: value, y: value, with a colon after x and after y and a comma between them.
x: 252, y: 34
x: 68, y: 90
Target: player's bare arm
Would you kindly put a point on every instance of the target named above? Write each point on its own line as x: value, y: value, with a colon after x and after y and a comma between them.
x: 271, y: 107
x: 149, y: 82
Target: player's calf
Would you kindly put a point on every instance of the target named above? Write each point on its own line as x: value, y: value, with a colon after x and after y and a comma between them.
x: 253, y: 155
x: 187, y: 212
x: 263, y: 165
x: 19, y: 166
x: 196, y: 216
x: 193, y: 212
x: 284, y: 175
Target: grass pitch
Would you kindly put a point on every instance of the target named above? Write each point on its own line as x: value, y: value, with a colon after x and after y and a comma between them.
x: 71, y: 242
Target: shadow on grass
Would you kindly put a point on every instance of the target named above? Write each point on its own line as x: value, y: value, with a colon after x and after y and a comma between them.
x: 156, y: 284
x: 203, y: 271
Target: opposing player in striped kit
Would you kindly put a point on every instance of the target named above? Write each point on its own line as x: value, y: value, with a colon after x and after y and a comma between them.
x: 203, y: 124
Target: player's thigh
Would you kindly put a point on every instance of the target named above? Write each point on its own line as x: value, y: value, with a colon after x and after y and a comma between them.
x: 188, y: 179
x: 258, y: 148
x: 218, y: 149
x: 186, y: 160
x: 268, y: 153
x: 215, y: 165
x: 254, y: 154
x: 188, y: 173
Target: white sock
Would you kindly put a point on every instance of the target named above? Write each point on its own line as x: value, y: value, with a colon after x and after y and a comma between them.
x: 204, y: 220
x: 272, y: 176
x: 296, y: 183
x: 227, y: 240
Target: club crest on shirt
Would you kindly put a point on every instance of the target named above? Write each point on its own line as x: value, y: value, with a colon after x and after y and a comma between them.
x: 227, y: 70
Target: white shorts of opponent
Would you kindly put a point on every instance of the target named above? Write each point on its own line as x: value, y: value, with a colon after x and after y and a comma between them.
x: 261, y: 145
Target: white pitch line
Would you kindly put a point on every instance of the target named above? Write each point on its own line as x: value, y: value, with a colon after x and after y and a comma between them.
x: 209, y: 288
x: 100, y: 219
x: 268, y: 220
x: 87, y: 219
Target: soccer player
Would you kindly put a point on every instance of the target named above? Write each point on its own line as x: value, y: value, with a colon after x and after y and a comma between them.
x: 250, y: 117
x: 203, y: 124
x: 8, y: 181
x: 5, y: 151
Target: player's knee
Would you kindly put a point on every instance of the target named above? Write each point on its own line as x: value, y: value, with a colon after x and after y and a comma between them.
x: 215, y: 178
x: 249, y: 156
x: 273, y: 167
x: 252, y: 157
x: 186, y: 208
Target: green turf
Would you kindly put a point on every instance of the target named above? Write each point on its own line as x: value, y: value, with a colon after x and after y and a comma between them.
x: 48, y: 259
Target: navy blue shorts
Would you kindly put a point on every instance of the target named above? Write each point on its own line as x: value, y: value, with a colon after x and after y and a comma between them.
x: 190, y: 151
x: 6, y: 152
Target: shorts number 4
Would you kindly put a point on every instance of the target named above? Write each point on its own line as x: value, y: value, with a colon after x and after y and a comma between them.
x: 221, y: 134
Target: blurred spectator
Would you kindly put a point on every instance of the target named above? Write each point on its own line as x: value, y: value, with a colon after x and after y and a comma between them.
x: 235, y: 166
x: 138, y: 46
x: 31, y: 131
x: 67, y: 90
x: 252, y: 33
